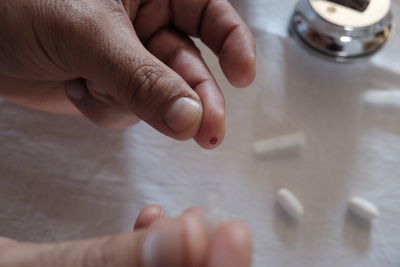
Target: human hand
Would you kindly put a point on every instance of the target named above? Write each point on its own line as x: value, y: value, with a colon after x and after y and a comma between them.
x: 155, y: 242
x: 127, y: 58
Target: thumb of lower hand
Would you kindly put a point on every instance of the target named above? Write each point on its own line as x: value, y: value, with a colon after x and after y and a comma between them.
x: 138, y: 81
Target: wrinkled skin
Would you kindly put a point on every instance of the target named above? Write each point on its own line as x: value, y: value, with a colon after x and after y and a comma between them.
x: 125, y: 59
x: 114, y: 62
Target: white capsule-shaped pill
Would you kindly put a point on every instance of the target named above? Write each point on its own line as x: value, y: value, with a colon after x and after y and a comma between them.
x: 289, y: 203
x: 363, y: 208
x: 278, y: 144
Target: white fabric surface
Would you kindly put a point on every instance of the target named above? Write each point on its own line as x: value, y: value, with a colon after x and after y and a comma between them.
x: 63, y: 178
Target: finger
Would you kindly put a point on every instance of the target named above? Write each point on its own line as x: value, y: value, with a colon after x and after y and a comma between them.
x: 43, y: 96
x: 179, y: 53
x: 179, y: 242
x: 231, y: 246
x: 148, y: 216
x: 222, y: 29
x: 196, y: 211
x: 6, y: 242
x: 215, y: 22
x: 99, y: 112
x: 139, y: 81
x: 146, y: 23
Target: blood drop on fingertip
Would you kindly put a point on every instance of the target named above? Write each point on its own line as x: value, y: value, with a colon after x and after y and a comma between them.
x: 214, y: 141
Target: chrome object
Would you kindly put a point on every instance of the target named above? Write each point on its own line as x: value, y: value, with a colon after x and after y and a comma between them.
x: 360, y: 5
x: 343, y: 29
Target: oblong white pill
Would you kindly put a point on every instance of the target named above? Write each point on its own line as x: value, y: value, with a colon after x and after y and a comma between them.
x: 363, y: 208
x: 281, y: 143
x: 289, y: 203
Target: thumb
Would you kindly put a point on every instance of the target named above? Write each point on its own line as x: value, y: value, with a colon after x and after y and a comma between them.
x: 119, y: 64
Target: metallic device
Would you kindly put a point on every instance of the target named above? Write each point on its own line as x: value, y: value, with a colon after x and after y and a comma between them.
x: 343, y: 29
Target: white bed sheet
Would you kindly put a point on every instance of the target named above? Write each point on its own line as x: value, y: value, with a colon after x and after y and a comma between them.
x: 63, y: 178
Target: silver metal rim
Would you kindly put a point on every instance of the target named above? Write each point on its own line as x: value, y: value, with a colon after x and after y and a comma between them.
x: 342, y: 44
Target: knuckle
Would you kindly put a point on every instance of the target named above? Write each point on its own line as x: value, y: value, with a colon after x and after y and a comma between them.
x: 77, y: 24
x: 146, y: 88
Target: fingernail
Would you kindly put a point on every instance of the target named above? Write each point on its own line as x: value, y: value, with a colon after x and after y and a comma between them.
x: 182, y: 114
x: 76, y: 92
x: 231, y: 247
x: 163, y: 246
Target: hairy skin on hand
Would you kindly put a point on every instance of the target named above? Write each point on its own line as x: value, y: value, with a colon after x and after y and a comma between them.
x: 123, y: 60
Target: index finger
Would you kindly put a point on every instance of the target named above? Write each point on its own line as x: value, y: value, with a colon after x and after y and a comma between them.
x: 223, y: 31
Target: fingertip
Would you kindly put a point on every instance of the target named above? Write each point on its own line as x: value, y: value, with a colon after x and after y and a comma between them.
x: 154, y: 211
x: 212, y: 129
x: 211, y: 143
x: 243, y: 75
x: 231, y: 246
x: 241, y: 241
x: 197, y: 211
x: 239, y: 233
x: 238, y: 58
x: 148, y: 216
x: 196, y: 239
x: 176, y: 242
